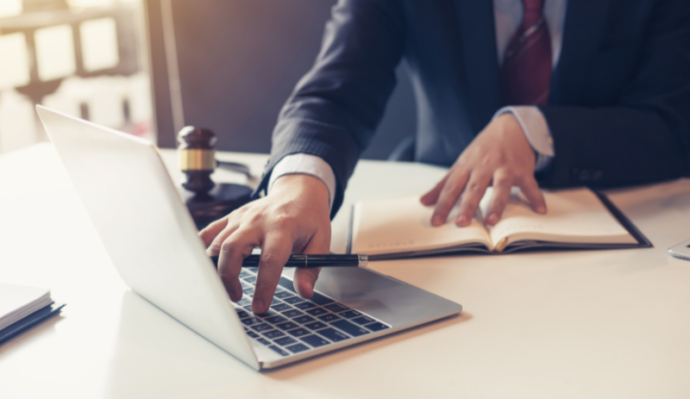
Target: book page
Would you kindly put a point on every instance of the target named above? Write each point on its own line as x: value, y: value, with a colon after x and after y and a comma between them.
x: 573, y: 216
x: 404, y: 224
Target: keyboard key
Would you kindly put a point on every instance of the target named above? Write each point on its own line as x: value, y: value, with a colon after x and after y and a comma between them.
x: 314, y: 340
x: 273, y: 334
x: 350, y: 328
x: 280, y: 307
x: 251, y: 320
x: 252, y: 334
x: 248, y: 291
x: 320, y: 299
x: 297, y: 348
x: 333, y: 334
x: 293, y: 313
x: 248, y: 308
x: 298, y: 332
x: 242, y: 313
x: 317, y: 325
x: 336, y: 307
x: 244, y: 302
x: 244, y: 274
x: 283, y: 294
x: 317, y: 311
x: 287, y: 326
x: 328, y: 317
x: 275, y: 319
x: 264, y: 341
x: 287, y: 284
x: 305, y: 305
x: 284, y: 341
x: 279, y: 350
x: 350, y: 314
x: 293, y: 300
x: 376, y: 326
x: 262, y: 327
x: 250, y: 279
x: 303, y: 319
x: 269, y: 313
x: 245, y: 286
x: 275, y: 301
x: 363, y: 320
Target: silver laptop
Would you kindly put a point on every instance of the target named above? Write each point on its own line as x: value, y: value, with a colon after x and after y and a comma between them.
x: 154, y: 245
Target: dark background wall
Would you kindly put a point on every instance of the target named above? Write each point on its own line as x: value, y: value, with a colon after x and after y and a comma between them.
x: 239, y: 61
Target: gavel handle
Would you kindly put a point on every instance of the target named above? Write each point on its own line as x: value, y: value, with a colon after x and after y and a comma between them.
x: 235, y: 167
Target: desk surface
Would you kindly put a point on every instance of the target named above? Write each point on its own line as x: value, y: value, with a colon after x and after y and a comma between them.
x: 594, y: 324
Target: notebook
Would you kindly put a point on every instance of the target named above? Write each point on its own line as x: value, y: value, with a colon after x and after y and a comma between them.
x: 23, y: 307
x: 576, y: 219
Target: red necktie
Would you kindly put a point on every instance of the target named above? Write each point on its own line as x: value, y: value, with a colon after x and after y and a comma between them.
x: 526, y: 70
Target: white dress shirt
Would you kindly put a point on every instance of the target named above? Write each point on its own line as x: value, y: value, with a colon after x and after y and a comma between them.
x: 508, y: 17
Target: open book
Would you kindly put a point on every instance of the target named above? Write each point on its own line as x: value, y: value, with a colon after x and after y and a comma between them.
x: 398, y: 228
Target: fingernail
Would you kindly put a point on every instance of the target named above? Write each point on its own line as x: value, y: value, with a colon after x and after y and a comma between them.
x: 492, y: 219
x: 258, y: 306
x: 436, y: 220
x: 462, y: 220
x: 541, y: 209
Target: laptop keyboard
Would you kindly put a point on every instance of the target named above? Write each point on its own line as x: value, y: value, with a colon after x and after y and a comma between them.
x: 294, y: 324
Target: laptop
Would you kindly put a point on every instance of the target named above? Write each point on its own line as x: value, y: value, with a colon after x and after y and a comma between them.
x: 154, y: 244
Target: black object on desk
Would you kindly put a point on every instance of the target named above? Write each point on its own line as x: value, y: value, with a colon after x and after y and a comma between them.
x: 206, y: 200
x: 310, y: 261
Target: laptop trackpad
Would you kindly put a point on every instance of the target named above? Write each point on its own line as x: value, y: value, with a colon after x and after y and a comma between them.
x: 382, y: 297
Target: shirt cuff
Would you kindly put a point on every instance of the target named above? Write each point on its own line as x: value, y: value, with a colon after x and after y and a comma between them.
x: 305, y: 164
x: 536, y: 130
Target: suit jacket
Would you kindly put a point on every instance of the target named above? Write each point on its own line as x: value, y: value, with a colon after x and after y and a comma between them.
x: 619, y: 110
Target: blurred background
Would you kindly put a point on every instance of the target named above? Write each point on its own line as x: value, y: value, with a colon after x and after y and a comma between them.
x: 149, y: 67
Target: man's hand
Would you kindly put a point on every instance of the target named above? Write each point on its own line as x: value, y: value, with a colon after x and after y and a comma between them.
x: 293, y: 218
x: 500, y: 156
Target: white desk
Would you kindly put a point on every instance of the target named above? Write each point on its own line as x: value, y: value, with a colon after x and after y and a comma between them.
x: 609, y: 324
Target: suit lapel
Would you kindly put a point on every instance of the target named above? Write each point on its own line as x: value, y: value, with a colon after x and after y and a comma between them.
x: 584, y: 25
x: 477, y: 27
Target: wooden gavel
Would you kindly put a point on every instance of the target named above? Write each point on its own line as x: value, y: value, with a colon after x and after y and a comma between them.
x: 197, y: 149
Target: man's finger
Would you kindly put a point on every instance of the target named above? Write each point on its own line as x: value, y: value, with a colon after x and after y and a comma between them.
x: 212, y: 230
x: 431, y: 197
x: 530, y: 188
x: 474, y: 191
x: 214, y: 249
x: 449, y: 196
x: 502, y: 183
x: 305, y: 279
x: 232, y: 252
x: 275, y: 252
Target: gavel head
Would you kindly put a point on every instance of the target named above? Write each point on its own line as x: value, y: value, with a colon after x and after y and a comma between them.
x: 197, y: 158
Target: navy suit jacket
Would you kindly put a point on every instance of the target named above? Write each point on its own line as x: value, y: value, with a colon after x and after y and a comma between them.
x: 619, y: 110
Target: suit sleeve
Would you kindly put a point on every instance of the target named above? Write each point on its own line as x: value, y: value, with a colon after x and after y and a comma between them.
x: 643, y: 138
x: 336, y: 108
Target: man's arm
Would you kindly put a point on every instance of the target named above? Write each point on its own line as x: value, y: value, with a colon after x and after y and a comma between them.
x: 639, y: 135
x: 645, y: 136
x: 336, y: 108
x: 332, y: 115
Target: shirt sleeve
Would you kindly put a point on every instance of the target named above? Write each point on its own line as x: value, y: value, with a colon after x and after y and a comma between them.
x: 305, y: 164
x: 536, y: 131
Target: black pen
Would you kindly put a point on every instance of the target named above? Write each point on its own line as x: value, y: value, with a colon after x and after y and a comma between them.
x: 309, y: 261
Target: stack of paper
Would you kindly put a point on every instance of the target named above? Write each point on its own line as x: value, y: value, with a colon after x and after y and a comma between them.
x: 23, y: 307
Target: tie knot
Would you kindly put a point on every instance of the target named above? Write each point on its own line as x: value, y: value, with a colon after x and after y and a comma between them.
x: 533, y: 5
